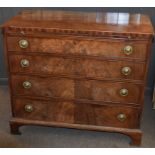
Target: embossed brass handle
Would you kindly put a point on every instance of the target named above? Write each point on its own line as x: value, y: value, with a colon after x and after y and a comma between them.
x: 128, y: 50
x: 28, y: 108
x: 121, y: 117
x: 126, y: 70
x: 24, y: 63
x: 123, y: 92
x: 27, y: 84
x: 23, y: 43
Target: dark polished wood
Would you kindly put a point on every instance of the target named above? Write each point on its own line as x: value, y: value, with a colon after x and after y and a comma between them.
x: 78, y: 70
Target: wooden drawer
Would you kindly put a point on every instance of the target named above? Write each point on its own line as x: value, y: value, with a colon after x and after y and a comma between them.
x: 77, y: 89
x: 108, y: 91
x: 48, y: 87
x: 43, y: 110
x: 76, y: 113
x: 76, y: 67
x: 107, y: 115
x: 103, y: 48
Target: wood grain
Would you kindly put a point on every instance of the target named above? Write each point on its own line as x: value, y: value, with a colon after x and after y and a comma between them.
x: 44, y: 110
x: 105, y: 48
x: 82, y: 23
x: 76, y: 89
x: 107, y: 91
x: 76, y: 113
x: 50, y: 65
x: 45, y: 87
x: 106, y: 115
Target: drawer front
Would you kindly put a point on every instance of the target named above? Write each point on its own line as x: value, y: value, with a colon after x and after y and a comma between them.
x: 48, y: 87
x: 123, y: 92
x: 114, y: 116
x: 76, y: 67
x: 43, y: 110
x: 105, y: 48
x: 77, y: 89
x: 76, y: 113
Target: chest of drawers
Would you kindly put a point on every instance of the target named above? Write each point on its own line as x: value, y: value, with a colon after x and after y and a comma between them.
x: 78, y: 70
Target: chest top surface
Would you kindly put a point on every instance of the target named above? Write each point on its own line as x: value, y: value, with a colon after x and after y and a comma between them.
x: 101, y: 22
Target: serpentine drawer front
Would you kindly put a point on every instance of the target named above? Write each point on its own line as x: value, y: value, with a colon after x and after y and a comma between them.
x: 78, y: 70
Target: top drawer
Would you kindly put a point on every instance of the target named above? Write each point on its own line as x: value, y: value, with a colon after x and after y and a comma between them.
x: 102, y: 48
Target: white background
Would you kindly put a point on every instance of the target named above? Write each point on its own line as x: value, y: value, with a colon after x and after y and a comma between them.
x: 77, y: 3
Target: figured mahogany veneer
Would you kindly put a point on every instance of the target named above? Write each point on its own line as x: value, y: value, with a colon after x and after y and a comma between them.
x: 104, y: 48
x: 78, y: 70
x: 76, y: 113
x: 48, y: 87
x: 90, y: 68
x: 76, y: 89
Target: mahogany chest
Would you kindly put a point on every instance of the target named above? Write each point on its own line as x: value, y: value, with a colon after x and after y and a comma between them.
x: 78, y: 70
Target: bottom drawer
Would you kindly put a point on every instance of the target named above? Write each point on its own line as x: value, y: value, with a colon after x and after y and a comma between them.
x: 77, y: 113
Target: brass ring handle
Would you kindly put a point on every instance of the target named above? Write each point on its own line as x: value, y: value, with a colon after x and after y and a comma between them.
x: 24, y: 63
x: 121, y: 117
x: 23, y: 43
x: 126, y: 70
x: 128, y: 50
x: 123, y: 92
x: 27, y: 84
x: 28, y: 108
